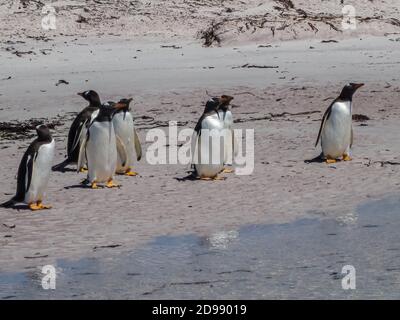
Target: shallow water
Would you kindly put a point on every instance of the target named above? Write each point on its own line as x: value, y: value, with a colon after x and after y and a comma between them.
x: 296, y: 260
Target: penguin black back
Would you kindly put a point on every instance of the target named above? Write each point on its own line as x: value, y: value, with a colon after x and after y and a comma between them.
x: 106, y: 112
x: 77, y: 125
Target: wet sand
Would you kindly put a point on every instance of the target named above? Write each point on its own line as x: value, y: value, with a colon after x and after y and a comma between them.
x: 298, y: 260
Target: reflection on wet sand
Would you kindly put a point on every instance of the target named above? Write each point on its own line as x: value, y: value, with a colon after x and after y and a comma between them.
x: 297, y: 260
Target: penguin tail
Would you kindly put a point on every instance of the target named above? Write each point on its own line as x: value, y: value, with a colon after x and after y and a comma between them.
x: 60, y: 166
x: 8, y: 204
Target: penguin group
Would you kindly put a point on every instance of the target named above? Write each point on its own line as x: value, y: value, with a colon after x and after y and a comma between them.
x: 102, y: 141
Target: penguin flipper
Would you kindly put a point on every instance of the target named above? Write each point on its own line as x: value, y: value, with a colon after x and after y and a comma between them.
x: 78, y: 135
x: 352, y: 137
x: 324, y: 118
x: 235, y: 144
x: 138, y: 146
x: 82, y: 153
x: 121, y: 149
x: 194, y: 147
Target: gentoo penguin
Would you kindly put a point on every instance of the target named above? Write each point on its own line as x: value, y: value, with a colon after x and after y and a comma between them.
x: 34, y: 171
x: 127, y: 136
x: 203, y: 154
x: 336, y: 131
x: 99, y: 148
x: 225, y: 115
x: 78, y: 128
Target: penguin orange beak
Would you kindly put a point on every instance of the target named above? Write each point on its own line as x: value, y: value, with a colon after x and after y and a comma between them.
x: 80, y: 94
x: 119, y: 105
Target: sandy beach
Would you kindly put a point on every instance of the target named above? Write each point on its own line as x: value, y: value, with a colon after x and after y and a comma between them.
x: 154, y: 54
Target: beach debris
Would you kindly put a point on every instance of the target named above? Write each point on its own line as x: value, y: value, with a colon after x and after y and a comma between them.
x: 360, y: 118
x: 247, y: 65
x: 25, y: 129
x: 288, y: 4
x: 61, y: 82
x: 36, y: 256
x: 329, y: 41
x: 7, y: 78
x: 391, y: 163
x: 9, y: 226
x: 38, y: 3
x: 271, y: 116
x: 39, y: 38
x: 44, y: 51
x: 17, y: 52
x: 314, y: 28
x: 210, y: 34
x: 106, y: 246
x: 171, y: 46
x: 82, y: 19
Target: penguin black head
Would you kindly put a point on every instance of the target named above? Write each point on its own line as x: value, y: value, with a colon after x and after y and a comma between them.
x: 91, y: 96
x: 107, y: 107
x: 224, y: 101
x: 348, y: 91
x: 211, y: 105
x: 123, y: 104
x: 43, y: 133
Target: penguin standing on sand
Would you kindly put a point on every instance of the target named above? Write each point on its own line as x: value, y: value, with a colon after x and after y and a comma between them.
x: 336, y: 131
x: 99, y: 148
x: 226, y: 116
x: 205, y: 148
x: 126, y: 136
x: 34, y: 171
x: 78, y: 128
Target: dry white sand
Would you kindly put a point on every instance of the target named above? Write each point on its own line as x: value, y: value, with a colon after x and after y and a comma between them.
x: 232, y: 21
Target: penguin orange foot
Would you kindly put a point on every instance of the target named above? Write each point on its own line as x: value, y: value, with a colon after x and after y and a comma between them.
x: 227, y: 170
x: 34, y: 207
x: 329, y: 161
x: 94, y: 185
x: 216, y: 178
x: 83, y: 170
x: 205, y: 178
x: 111, y: 184
x: 43, y: 206
x: 346, y: 157
x: 131, y: 173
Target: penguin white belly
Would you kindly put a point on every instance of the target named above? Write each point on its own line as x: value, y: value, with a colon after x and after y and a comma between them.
x: 205, y: 167
x: 336, y: 135
x: 40, y: 173
x: 228, y: 139
x: 84, y: 128
x: 101, y: 152
x: 124, y: 129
